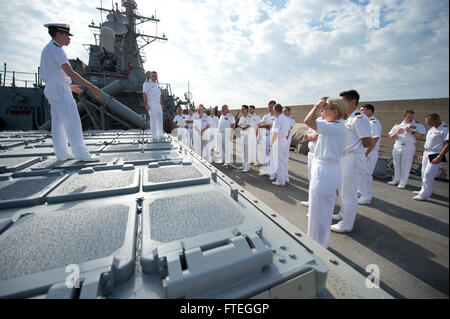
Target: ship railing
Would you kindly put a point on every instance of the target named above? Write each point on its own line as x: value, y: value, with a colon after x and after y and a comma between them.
x: 19, y: 79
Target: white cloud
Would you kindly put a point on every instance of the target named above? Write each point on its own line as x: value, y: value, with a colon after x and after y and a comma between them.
x: 247, y: 52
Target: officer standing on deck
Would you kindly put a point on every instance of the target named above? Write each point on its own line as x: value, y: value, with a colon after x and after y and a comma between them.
x: 56, y: 72
x: 266, y: 123
x: 434, y: 153
x: 245, y: 124
x: 353, y: 163
x: 366, y: 179
x: 405, y: 135
x: 153, y: 105
x: 227, y: 124
x: 255, y: 121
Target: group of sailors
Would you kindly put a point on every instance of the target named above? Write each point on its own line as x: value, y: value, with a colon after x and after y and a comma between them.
x: 344, y: 141
x: 262, y: 141
x: 343, y: 152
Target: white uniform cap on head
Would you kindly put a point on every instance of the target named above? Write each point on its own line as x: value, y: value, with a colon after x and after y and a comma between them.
x: 59, y: 26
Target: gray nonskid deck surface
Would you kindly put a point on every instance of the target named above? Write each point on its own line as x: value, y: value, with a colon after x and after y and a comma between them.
x: 24, y: 187
x: 190, y: 215
x: 48, y: 241
x: 172, y: 173
x: 101, y: 180
x: 88, y: 211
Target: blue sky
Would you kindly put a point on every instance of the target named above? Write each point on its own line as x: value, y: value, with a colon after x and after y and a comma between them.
x: 249, y: 52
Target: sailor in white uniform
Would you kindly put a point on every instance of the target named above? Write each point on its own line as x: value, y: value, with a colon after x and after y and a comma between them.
x: 353, y: 163
x: 190, y: 118
x: 255, y: 121
x: 287, y: 112
x: 227, y: 124
x: 214, y: 125
x: 365, y: 178
x: 204, y: 133
x: 153, y: 105
x: 265, y: 127
x: 280, y: 136
x: 245, y: 124
x: 181, y: 126
x: 405, y: 135
x: 56, y: 72
x: 435, y: 151
x: 311, y: 135
x: 326, y: 174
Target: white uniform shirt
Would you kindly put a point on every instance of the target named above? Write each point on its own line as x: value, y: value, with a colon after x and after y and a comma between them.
x: 358, y: 127
x: 179, y: 119
x: 244, y: 121
x: 52, y: 58
x: 406, y: 137
x: 153, y: 92
x: 331, y: 143
x: 255, y: 121
x: 312, y: 144
x: 282, y: 125
x: 192, y: 117
x: 226, y: 121
x: 435, y: 139
x: 204, y: 121
x: 214, y: 121
x: 376, y: 128
x: 268, y: 119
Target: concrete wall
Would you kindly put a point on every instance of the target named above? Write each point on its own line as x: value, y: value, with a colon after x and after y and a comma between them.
x: 388, y: 113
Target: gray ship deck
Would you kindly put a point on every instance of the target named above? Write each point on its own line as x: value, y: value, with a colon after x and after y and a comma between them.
x: 407, y: 239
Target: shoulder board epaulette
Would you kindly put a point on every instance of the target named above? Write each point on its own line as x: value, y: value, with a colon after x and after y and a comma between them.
x: 358, y: 115
x: 444, y: 125
x: 373, y: 120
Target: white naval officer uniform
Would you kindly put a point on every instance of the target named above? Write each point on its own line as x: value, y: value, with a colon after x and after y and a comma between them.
x: 352, y: 164
x: 365, y: 178
x: 264, y: 146
x: 224, y: 137
x: 404, y: 150
x: 192, y: 117
x: 181, y: 130
x: 282, y: 127
x: 66, y: 124
x: 433, y: 145
x: 153, y: 92
x: 205, y: 138
x: 214, y: 125
x: 325, y: 178
x: 255, y: 121
x: 291, y: 130
x: 245, y: 141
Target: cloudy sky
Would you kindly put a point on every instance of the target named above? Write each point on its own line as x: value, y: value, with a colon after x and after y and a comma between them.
x: 248, y: 52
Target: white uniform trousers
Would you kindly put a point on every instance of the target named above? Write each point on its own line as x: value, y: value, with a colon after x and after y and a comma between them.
x: 224, y: 139
x: 366, y: 179
x: 66, y: 124
x: 403, y: 156
x: 310, y: 160
x: 244, y: 150
x: 156, y: 120
x: 207, y: 145
x: 352, y: 165
x: 283, y: 160
x: 325, y: 180
x: 429, y: 172
x: 265, y: 156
